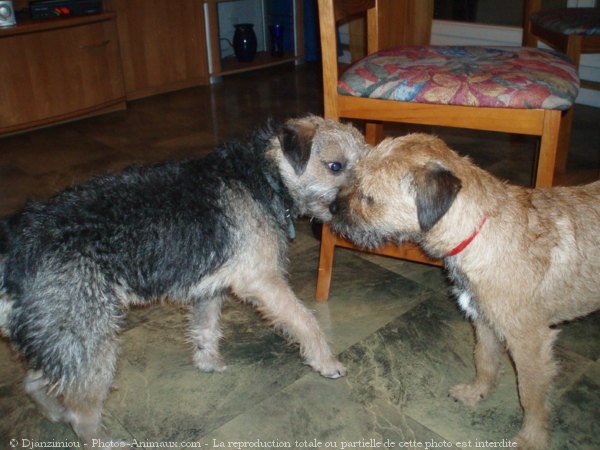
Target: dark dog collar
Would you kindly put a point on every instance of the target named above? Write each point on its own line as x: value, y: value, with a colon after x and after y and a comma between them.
x: 280, y: 190
x: 464, y: 244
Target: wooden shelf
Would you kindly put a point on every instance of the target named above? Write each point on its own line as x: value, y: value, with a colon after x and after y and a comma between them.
x: 231, y: 65
x: 263, y: 59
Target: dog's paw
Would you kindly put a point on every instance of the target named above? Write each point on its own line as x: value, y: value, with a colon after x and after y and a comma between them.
x: 334, y: 369
x: 208, y: 362
x: 469, y: 394
x: 525, y: 442
x: 532, y: 437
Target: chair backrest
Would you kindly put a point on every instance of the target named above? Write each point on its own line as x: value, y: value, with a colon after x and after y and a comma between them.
x: 330, y: 13
x: 343, y: 9
x: 390, y: 23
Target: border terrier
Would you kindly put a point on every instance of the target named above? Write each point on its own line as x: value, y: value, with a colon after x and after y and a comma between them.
x: 520, y: 260
x: 192, y: 231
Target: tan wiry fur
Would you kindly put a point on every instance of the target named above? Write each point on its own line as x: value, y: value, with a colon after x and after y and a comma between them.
x: 534, y: 263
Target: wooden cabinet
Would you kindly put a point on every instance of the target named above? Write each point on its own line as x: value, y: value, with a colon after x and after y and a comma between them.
x: 162, y: 45
x: 58, y: 70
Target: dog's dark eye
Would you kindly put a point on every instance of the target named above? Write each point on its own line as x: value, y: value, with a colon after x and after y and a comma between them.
x: 335, y: 166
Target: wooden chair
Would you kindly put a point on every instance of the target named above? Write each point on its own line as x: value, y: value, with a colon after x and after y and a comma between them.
x: 573, y: 31
x: 520, y: 111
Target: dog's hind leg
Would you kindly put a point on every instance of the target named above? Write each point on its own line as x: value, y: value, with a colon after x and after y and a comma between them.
x: 69, y: 321
x: 531, y: 351
x: 488, y: 350
x: 36, y: 385
x: 83, y: 415
x: 80, y: 404
x: 84, y: 401
x: 276, y: 300
x: 205, y: 333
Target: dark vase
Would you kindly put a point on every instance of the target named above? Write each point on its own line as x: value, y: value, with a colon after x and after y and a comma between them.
x: 244, y: 42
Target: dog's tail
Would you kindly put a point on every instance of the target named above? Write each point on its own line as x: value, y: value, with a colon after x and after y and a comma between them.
x: 5, y: 303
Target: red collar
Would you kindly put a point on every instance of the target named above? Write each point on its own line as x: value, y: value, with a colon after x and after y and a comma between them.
x: 460, y: 247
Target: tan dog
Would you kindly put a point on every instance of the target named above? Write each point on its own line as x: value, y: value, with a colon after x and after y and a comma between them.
x: 520, y: 259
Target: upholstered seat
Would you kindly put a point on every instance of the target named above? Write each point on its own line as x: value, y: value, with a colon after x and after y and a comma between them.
x: 580, y: 21
x: 506, y: 77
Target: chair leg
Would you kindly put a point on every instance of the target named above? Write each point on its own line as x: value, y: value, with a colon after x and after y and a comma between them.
x: 373, y: 133
x: 325, y: 264
x: 564, y: 141
x: 548, y: 149
x: 573, y: 48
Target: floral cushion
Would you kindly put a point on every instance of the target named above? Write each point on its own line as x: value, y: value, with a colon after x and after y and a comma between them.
x: 585, y: 21
x: 508, y: 77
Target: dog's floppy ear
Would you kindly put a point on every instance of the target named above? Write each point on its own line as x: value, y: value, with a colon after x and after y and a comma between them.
x: 296, y: 142
x: 436, y: 188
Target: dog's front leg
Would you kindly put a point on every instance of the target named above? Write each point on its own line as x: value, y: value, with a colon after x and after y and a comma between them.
x: 531, y: 351
x: 488, y: 350
x: 276, y: 300
x: 205, y: 333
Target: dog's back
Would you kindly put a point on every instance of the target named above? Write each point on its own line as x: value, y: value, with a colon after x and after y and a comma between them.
x: 154, y: 227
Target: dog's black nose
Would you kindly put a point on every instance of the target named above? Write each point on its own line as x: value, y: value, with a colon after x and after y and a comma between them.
x: 334, y: 207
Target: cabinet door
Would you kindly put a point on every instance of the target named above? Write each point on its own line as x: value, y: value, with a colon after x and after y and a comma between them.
x: 163, y: 45
x: 57, y: 74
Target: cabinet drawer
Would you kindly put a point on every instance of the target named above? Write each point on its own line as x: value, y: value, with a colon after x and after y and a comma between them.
x: 59, y: 73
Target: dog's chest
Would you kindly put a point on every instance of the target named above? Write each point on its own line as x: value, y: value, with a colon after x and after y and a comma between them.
x: 468, y: 304
x: 462, y: 290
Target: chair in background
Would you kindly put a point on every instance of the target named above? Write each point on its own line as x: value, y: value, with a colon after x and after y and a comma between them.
x: 572, y: 31
x: 505, y: 89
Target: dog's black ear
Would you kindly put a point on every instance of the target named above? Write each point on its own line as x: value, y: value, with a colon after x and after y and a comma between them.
x: 436, y: 188
x: 296, y: 142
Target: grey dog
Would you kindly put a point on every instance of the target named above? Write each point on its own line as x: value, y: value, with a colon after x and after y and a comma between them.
x: 192, y: 231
